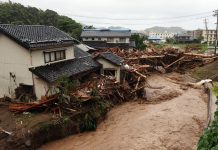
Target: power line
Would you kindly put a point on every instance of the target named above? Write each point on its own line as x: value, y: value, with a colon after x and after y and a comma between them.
x: 163, y: 18
x: 177, y: 21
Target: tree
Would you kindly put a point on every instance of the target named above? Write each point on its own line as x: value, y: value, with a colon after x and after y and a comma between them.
x: 139, y: 41
x: 170, y: 41
x: 89, y: 27
x: 15, y: 13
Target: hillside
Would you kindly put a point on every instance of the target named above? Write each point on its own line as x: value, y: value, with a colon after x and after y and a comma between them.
x: 15, y: 13
x: 165, y: 29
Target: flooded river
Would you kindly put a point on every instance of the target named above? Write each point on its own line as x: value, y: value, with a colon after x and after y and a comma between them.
x: 174, y: 124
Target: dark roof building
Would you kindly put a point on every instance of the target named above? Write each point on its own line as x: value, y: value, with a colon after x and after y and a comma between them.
x: 114, y: 59
x: 183, y: 37
x: 37, y: 36
x: 69, y: 68
x: 105, y: 33
x: 79, y: 53
x: 106, y: 38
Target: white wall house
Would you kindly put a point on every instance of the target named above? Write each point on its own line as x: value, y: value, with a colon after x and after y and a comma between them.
x: 23, y: 47
x: 36, y: 56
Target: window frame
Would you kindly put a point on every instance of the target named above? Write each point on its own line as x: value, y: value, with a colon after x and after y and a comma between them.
x: 108, y: 70
x: 122, y: 40
x: 62, y: 55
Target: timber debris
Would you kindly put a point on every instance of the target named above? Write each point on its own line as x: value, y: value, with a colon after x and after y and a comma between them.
x: 167, y: 60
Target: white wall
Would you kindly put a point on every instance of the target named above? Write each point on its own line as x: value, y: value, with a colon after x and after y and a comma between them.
x: 161, y: 35
x: 16, y: 59
x: 38, y: 55
x: 211, y: 36
x: 42, y: 88
x: 107, y: 65
x: 114, y: 40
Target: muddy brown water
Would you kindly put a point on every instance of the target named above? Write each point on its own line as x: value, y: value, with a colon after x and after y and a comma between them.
x: 174, y: 124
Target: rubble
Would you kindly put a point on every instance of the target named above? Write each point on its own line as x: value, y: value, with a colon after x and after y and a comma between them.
x: 170, y: 59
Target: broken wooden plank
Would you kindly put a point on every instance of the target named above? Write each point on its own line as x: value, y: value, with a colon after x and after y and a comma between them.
x: 198, y: 55
x: 174, y: 62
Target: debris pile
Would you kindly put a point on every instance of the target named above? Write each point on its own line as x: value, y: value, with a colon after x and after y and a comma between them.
x: 132, y: 87
x: 23, y: 106
x: 167, y: 60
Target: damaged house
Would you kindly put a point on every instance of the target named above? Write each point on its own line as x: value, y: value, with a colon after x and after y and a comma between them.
x: 35, y: 56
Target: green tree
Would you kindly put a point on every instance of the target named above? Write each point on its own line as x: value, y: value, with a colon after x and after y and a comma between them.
x: 139, y: 41
x: 15, y: 13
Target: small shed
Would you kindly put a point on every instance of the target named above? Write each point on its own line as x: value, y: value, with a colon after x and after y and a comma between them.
x: 111, y: 64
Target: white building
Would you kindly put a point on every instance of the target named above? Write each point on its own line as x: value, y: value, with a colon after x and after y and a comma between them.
x: 211, y: 35
x: 35, y: 56
x: 160, y: 36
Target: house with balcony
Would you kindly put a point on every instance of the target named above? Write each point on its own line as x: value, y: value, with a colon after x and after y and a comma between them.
x: 106, y: 38
x: 35, y: 57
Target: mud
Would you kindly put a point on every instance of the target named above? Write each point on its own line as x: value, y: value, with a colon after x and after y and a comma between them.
x: 174, y: 123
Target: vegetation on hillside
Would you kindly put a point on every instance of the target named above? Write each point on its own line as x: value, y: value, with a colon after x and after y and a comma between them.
x: 15, y: 13
x: 209, y: 140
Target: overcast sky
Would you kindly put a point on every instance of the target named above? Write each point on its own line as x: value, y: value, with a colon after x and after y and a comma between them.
x: 133, y: 14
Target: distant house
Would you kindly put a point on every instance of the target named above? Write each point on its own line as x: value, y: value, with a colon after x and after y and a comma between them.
x: 210, y: 36
x: 36, y: 56
x: 160, y: 37
x: 105, y: 38
x: 183, y: 38
x: 156, y: 40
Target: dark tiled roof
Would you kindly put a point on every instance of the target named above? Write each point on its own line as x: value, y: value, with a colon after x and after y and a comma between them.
x: 52, y: 72
x: 112, y: 58
x: 36, y: 36
x: 105, y: 33
x: 80, y: 53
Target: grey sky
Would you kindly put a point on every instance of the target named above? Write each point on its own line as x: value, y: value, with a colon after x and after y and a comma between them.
x: 125, y: 12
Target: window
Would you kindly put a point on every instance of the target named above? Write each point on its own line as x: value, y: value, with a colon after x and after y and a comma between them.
x: 110, y: 39
x: 54, y: 56
x: 122, y: 40
x: 109, y: 72
x: 93, y: 39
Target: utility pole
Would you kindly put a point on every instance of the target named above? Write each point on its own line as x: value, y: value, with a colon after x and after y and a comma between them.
x: 205, y: 21
x: 216, y: 15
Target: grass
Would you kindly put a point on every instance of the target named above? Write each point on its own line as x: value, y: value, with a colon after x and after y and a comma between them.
x: 207, y: 71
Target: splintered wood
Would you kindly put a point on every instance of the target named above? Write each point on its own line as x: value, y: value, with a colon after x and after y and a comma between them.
x: 169, y: 59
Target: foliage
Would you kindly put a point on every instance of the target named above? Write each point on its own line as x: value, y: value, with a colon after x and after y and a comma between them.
x: 209, y: 140
x: 203, y: 49
x: 170, y: 41
x: 65, y: 85
x: 89, y: 27
x: 215, y: 89
x: 139, y: 41
x: 97, y: 109
x: 15, y: 13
